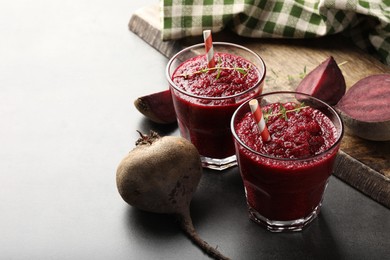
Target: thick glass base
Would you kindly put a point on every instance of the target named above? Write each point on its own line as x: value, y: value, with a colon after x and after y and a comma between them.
x: 282, y: 226
x: 218, y: 164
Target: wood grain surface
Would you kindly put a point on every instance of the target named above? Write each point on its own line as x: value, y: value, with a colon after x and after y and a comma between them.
x: 363, y: 164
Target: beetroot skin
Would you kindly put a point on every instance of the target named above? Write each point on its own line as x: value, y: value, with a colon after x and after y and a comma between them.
x: 325, y: 82
x: 160, y: 175
x: 365, y: 108
x: 158, y: 107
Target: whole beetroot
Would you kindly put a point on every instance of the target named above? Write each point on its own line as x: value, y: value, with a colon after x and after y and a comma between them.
x: 160, y: 175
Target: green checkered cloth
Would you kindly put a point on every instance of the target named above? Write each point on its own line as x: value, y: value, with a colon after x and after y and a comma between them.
x: 367, y: 22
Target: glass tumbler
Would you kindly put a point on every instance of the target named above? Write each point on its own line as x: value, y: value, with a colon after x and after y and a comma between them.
x: 205, y: 119
x: 282, y: 193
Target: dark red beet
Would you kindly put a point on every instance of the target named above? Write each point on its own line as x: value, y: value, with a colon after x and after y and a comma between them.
x: 365, y: 108
x: 325, y: 82
x: 368, y: 99
x: 158, y: 107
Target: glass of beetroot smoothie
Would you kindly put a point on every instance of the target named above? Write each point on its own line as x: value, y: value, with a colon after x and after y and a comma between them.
x: 206, y: 97
x: 285, y: 178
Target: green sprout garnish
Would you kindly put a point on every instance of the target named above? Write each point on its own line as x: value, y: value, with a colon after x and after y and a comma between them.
x: 283, y: 111
x: 303, y: 74
x: 219, y: 68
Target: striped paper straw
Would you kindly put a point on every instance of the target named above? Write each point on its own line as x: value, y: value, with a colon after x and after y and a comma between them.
x: 258, y: 116
x: 208, y: 42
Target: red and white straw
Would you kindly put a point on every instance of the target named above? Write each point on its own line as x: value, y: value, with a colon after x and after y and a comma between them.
x: 208, y: 42
x: 258, y: 116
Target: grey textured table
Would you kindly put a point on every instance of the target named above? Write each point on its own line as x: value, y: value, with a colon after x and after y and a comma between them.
x: 69, y: 72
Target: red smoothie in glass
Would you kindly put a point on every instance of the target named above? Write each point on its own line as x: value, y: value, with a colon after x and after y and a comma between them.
x: 211, y: 97
x: 287, y: 181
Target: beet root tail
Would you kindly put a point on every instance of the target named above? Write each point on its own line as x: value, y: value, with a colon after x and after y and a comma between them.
x: 186, y: 225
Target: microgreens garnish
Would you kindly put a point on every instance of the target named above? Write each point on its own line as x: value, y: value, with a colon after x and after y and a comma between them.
x: 301, y: 75
x: 219, y: 68
x: 270, y: 78
x: 283, y: 111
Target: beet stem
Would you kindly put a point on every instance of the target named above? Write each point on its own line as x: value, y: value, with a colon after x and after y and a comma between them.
x: 186, y: 225
x: 147, y: 139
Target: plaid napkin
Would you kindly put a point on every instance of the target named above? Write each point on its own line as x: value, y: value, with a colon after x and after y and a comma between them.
x: 367, y: 22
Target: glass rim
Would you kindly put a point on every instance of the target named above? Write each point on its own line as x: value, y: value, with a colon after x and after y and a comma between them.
x: 260, y: 81
x: 334, y: 145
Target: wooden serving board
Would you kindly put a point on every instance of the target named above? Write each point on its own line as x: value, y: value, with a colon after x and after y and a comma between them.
x: 363, y: 164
